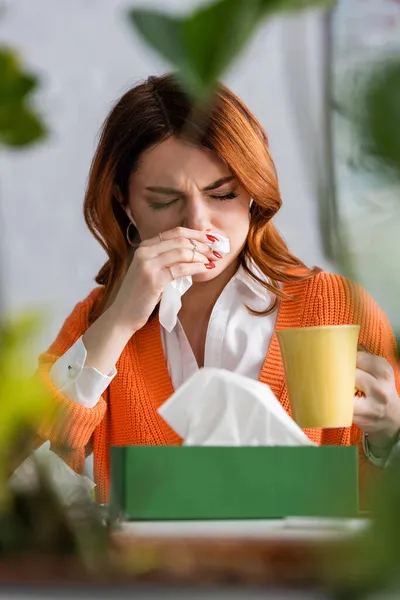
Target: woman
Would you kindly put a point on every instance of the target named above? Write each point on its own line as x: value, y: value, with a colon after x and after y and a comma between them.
x: 161, y: 184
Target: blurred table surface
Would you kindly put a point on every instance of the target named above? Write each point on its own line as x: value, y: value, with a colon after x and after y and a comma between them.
x: 285, y: 552
x: 195, y: 559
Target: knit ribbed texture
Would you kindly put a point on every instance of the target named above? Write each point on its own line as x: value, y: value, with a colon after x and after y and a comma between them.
x: 127, y: 412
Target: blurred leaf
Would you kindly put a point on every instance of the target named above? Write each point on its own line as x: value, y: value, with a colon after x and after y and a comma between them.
x: 15, y: 336
x: 19, y: 124
x: 214, y: 36
x: 274, y: 6
x: 381, y: 123
x: 15, y: 85
x: 24, y: 401
x: 162, y: 32
x: 203, y: 45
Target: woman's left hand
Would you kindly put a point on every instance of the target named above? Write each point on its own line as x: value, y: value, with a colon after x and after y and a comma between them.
x: 377, y: 412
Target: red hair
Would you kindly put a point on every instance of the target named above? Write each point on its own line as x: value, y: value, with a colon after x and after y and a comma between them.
x: 150, y: 113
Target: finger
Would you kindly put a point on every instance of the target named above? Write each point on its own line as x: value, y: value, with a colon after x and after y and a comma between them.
x: 377, y: 366
x: 178, y: 243
x: 178, y: 256
x: 178, y: 233
x: 366, y: 382
x: 185, y: 269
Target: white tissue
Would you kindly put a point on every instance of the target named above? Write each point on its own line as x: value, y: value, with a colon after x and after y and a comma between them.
x: 222, y: 245
x: 68, y: 485
x: 171, y: 302
x: 216, y: 407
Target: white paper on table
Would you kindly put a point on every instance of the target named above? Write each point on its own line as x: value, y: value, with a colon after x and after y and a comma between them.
x: 216, y: 407
x: 68, y: 485
x: 171, y: 302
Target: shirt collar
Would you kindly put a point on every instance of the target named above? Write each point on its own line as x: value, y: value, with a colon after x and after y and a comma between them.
x: 254, y: 286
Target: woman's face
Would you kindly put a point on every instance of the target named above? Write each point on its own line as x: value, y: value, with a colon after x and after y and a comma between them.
x: 176, y: 184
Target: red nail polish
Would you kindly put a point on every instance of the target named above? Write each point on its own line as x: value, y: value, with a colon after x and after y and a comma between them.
x: 210, y: 265
x: 212, y: 238
x: 217, y: 254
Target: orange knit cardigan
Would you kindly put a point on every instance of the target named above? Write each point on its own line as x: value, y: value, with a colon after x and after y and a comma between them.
x: 127, y: 411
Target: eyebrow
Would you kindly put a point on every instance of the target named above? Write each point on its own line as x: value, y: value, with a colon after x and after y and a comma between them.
x: 212, y: 186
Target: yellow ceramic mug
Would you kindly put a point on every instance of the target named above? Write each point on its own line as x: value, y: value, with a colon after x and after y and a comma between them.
x: 320, y: 367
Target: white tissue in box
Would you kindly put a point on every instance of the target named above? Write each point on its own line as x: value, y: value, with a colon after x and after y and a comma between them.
x: 216, y: 407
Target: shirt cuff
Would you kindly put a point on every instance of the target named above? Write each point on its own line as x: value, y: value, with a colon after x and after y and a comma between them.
x: 81, y: 384
x: 375, y: 460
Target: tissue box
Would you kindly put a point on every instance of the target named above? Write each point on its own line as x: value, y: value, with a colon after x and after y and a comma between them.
x: 200, y: 482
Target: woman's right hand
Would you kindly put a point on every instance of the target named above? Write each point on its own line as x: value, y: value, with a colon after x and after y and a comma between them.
x: 155, y: 263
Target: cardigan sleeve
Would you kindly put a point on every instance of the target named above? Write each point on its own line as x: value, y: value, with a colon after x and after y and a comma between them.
x: 341, y: 301
x: 70, y: 425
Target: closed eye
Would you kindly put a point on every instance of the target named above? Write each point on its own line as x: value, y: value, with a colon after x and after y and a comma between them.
x: 161, y: 205
x: 229, y: 196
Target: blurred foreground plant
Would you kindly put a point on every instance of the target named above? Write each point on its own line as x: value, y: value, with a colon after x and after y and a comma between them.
x: 381, y: 123
x: 203, y: 44
x: 370, y: 563
x: 23, y: 400
x: 19, y: 123
x: 33, y: 518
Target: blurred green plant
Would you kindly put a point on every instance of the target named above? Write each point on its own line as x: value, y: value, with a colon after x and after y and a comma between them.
x: 369, y: 563
x: 381, y: 122
x: 33, y: 520
x: 19, y: 123
x: 23, y: 400
x: 370, y: 103
x: 202, y: 45
x: 37, y: 522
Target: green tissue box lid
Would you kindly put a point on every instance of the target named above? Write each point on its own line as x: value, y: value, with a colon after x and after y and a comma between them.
x: 209, y: 482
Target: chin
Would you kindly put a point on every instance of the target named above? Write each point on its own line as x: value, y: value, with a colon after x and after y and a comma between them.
x: 209, y: 274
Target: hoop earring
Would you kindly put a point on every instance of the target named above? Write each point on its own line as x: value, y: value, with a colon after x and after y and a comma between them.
x: 128, y: 236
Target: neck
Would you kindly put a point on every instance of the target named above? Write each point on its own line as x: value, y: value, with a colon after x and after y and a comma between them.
x: 201, y: 297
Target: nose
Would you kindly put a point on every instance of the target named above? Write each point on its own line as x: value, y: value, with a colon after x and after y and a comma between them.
x: 197, y: 214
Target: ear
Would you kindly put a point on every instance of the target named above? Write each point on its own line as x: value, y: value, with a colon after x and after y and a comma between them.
x: 117, y: 193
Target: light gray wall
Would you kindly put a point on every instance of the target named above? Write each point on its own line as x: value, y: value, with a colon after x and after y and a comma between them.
x: 87, y: 57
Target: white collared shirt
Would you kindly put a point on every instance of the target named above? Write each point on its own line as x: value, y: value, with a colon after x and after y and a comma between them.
x: 236, y: 340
